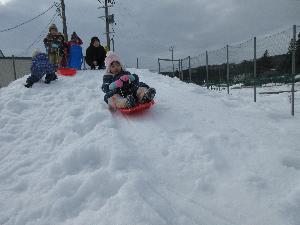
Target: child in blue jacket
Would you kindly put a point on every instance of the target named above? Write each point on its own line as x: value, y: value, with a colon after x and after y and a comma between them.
x: 123, y: 89
x: 40, y: 66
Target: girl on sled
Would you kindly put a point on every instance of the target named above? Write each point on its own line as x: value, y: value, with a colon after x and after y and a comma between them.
x: 123, y: 89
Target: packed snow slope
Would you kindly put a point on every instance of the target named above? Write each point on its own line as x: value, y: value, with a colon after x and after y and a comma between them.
x: 197, y: 157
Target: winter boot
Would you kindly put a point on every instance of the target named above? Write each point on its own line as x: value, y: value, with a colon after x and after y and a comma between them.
x: 130, y: 101
x: 31, y: 80
x: 50, y: 77
x: 148, y: 96
x: 54, y: 77
x: 28, y: 84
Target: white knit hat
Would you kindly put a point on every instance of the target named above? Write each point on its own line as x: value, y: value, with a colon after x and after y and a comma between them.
x: 110, y: 58
x: 36, y: 52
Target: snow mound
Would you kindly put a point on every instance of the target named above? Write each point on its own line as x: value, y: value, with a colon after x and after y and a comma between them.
x: 196, y: 157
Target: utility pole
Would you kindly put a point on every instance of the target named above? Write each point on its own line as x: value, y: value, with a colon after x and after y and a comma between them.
x: 113, y: 44
x: 107, y: 26
x: 109, y: 19
x: 172, y: 50
x: 63, y: 16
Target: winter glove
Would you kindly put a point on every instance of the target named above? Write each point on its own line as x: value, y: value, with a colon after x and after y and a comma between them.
x: 117, y: 84
x: 126, y: 78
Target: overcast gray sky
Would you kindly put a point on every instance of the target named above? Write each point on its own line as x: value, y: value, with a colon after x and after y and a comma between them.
x: 146, y: 29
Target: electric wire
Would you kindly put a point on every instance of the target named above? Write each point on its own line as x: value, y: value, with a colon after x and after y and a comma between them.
x: 28, y: 21
x: 38, y: 39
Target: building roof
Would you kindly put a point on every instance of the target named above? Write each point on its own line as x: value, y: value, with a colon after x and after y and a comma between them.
x: 1, y: 54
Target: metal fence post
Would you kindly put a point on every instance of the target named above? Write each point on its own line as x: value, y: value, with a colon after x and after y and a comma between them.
x: 137, y: 63
x: 227, y: 69
x: 84, y: 66
x: 158, y: 66
x: 190, y: 72
x: 173, y: 68
x: 207, y: 83
x: 181, y: 69
x: 219, y: 78
x: 254, y: 69
x: 293, y: 70
x: 14, y: 66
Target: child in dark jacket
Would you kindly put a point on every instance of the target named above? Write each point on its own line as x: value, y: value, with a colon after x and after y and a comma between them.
x: 123, y: 89
x: 39, y: 67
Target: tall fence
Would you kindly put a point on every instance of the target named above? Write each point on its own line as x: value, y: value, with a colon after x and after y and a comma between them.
x: 257, y: 61
x: 12, y: 68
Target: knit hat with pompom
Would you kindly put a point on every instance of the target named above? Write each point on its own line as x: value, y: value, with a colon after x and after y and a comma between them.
x: 110, y: 58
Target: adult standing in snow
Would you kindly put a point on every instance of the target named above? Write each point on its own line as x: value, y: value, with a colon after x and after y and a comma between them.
x: 95, y: 54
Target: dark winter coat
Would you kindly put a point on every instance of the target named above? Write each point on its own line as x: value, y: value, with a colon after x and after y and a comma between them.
x: 41, y: 66
x: 127, y: 89
x: 54, y: 43
x: 95, y: 54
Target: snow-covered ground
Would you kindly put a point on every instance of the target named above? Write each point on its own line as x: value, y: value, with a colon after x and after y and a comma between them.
x: 197, y: 157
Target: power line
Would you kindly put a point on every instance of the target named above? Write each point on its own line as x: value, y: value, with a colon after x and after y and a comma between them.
x: 109, y: 19
x: 21, y: 24
x: 42, y: 33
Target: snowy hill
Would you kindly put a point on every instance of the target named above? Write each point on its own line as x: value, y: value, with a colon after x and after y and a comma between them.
x: 197, y: 157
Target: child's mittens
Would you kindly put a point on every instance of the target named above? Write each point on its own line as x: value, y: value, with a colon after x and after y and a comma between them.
x: 117, y: 84
x: 127, y: 78
x: 124, y: 78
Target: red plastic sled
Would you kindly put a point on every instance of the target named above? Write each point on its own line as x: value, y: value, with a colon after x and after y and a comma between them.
x: 66, y: 71
x: 137, y: 108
